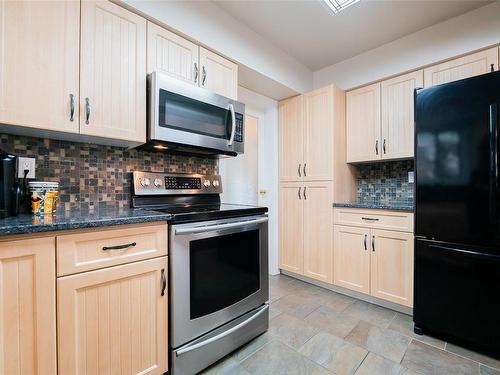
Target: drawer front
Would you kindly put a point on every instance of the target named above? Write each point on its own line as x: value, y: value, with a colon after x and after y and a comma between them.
x: 95, y: 249
x: 377, y: 219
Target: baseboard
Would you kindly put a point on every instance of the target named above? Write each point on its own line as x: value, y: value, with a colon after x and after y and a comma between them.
x: 351, y: 293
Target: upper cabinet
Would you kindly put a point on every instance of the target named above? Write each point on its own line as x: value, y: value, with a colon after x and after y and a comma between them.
x: 464, y: 67
x: 39, y: 64
x: 218, y: 74
x: 363, y: 124
x: 291, y: 137
x: 171, y: 54
x: 113, y: 72
x: 397, y: 115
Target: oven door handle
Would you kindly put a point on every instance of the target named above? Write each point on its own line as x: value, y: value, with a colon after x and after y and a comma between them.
x: 221, y: 335
x: 233, y: 125
x: 215, y: 227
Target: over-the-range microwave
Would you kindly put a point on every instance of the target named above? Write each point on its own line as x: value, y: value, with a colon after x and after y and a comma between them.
x: 184, y: 118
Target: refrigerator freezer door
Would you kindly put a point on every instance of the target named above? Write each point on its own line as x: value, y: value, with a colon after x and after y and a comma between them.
x: 457, y: 192
x: 456, y: 294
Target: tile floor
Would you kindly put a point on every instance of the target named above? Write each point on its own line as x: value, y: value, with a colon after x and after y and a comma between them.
x: 314, y: 331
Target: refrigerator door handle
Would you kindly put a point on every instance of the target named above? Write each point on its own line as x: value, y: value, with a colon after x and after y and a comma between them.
x: 493, y: 163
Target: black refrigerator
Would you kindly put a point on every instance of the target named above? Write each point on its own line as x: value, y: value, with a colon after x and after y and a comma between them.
x: 457, y: 212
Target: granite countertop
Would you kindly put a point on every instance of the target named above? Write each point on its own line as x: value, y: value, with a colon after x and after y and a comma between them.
x: 377, y: 205
x: 78, y: 219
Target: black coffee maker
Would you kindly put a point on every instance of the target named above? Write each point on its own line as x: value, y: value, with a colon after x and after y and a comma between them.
x: 10, y: 191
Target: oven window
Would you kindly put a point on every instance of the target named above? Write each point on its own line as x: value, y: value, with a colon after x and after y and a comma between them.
x: 189, y: 115
x: 223, y: 271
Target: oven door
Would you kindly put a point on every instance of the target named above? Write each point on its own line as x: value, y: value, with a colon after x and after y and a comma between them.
x: 218, y: 272
x: 184, y: 114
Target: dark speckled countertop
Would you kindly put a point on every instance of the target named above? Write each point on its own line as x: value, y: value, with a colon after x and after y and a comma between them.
x: 75, y: 219
x: 376, y: 205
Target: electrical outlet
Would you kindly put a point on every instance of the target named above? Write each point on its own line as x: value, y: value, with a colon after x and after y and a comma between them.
x: 411, y: 177
x: 26, y: 163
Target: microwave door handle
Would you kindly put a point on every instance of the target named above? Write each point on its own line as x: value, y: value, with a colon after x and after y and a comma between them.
x: 233, y: 125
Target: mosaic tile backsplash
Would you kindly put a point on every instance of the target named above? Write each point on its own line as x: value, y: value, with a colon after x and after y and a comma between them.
x: 95, y: 176
x: 385, y: 182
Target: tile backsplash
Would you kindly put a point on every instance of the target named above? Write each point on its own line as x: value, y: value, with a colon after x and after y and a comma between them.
x: 385, y: 182
x: 95, y: 176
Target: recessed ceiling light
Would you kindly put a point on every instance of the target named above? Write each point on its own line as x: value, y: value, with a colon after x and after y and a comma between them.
x: 160, y: 147
x: 338, y: 5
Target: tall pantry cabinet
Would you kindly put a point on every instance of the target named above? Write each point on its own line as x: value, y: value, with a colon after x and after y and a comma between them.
x: 312, y: 171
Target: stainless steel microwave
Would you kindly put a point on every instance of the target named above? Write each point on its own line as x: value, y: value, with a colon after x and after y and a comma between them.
x: 189, y: 119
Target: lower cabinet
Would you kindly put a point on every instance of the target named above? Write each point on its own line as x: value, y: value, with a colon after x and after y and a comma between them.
x: 376, y: 262
x: 28, y: 307
x: 306, y: 241
x: 114, y: 320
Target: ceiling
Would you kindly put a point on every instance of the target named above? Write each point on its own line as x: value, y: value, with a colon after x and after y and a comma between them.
x: 308, y: 31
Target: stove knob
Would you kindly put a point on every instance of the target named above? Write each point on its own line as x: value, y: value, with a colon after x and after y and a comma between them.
x: 206, y: 183
x: 145, y: 182
x: 157, y: 182
x: 215, y: 183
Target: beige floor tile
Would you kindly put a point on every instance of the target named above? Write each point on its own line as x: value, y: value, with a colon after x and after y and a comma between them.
x: 273, y: 312
x: 429, y: 360
x: 403, y: 323
x: 485, y: 370
x: 488, y: 361
x: 226, y: 366
x: 296, y: 305
x: 384, y: 342
x: 291, y: 330
x: 251, y: 347
x: 377, y: 365
x: 276, y: 358
x: 331, y: 321
x: 335, y: 354
x: 370, y: 313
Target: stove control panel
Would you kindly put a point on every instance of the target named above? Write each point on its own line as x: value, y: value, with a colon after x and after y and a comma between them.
x: 154, y: 183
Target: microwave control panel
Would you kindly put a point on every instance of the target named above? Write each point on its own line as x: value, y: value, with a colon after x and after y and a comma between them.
x: 238, y: 134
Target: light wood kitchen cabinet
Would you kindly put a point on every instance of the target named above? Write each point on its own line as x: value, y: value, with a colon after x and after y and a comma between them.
x: 318, y: 136
x: 218, y: 74
x: 397, y: 132
x: 291, y: 227
x: 318, y: 237
x: 463, y: 67
x: 113, y: 72
x: 39, y: 64
x: 27, y: 307
x: 392, y: 266
x: 114, y: 319
x: 363, y: 124
x: 352, y: 258
x: 172, y: 54
x: 291, y: 138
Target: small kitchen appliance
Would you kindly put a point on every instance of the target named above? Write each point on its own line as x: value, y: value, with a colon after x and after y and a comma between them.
x: 10, y: 191
x: 218, y: 255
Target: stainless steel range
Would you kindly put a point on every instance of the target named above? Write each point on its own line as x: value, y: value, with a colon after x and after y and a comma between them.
x: 218, y: 254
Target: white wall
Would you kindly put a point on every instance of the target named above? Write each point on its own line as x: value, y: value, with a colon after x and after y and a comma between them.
x: 266, y: 110
x: 211, y: 26
x: 457, y: 36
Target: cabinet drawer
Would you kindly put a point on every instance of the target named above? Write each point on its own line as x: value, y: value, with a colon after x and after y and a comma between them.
x: 90, y: 250
x: 378, y: 219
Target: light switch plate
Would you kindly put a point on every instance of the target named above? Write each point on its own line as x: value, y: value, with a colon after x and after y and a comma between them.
x: 26, y: 163
x: 411, y: 177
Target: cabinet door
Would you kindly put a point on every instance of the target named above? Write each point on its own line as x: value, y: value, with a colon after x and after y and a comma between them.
x: 218, y: 74
x: 113, y: 320
x: 363, y: 124
x: 171, y: 54
x: 318, y: 224
x: 291, y: 139
x: 463, y: 67
x: 113, y: 72
x: 352, y: 258
x: 28, y: 307
x: 318, y: 140
x: 392, y: 266
x: 397, y: 115
x: 291, y: 227
x: 39, y: 57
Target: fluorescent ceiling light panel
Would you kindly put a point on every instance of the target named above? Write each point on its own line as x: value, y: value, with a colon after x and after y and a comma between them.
x: 338, y: 5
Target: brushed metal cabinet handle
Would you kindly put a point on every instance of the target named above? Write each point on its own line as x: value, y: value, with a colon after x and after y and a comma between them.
x: 305, y: 189
x: 203, y: 75
x: 87, y: 110
x: 383, y: 146
x: 195, y: 72
x: 119, y: 247
x: 163, y: 282
x: 71, y: 107
x: 376, y: 146
x: 298, y: 170
x: 364, y: 242
x: 305, y: 173
x: 299, y: 193
x: 369, y: 218
x: 373, y: 243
